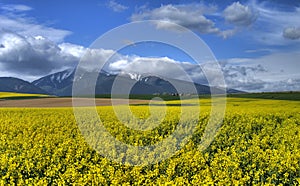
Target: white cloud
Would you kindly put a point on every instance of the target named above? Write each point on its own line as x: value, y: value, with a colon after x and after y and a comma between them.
x: 243, y: 76
x: 118, y: 65
x: 116, y: 7
x: 267, y: 73
x: 15, y: 8
x: 291, y: 33
x: 14, y: 18
x: 95, y: 58
x: 201, y: 18
x: 276, y: 27
x: 239, y: 15
x: 27, y: 27
x: 72, y: 49
x: 32, y: 56
x: 290, y: 84
x: 273, y: 72
x: 265, y: 23
x: 29, y: 48
x: 160, y: 66
x: 191, y: 16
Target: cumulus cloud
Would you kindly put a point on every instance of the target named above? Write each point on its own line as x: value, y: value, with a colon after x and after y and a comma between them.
x: 292, y: 33
x: 94, y: 59
x: 72, y: 49
x: 247, y: 74
x: 34, y: 57
x: 239, y: 76
x: 239, y: 15
x: 159, y: 66
x: 31, y: 55
x: 191, y: 16
x: 199, y: 17
x: 30, y: 48
x: 116, y: 7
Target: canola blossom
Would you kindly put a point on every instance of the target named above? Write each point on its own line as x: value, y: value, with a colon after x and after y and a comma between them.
x: 257, y: 144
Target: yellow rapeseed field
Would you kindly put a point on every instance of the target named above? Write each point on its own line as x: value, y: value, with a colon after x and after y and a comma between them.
x: 5, y: 95
x: 257, y: 144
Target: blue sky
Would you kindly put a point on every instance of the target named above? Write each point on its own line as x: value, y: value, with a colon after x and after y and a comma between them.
x: 256, y: 42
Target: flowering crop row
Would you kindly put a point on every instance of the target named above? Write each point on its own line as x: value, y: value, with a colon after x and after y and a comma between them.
x: 258, y: 143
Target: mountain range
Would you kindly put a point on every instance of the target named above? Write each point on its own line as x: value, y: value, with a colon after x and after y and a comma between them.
x: 60, y: 84
x: 10, y: 84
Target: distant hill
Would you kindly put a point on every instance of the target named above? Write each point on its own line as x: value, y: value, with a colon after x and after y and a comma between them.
x: 61, y: 83
x: 10, y: 84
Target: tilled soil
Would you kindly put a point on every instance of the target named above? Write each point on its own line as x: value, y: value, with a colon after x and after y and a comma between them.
x: 66, y: 102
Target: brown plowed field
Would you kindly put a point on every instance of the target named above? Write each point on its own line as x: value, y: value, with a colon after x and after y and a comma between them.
x: 65, y: 102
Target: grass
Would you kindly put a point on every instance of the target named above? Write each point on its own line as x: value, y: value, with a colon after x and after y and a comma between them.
x: 165, y: 97
x: 293, y: 96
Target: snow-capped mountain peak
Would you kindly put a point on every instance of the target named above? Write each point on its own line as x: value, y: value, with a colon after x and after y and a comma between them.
x: 62, y: 76
x: 134, y: 76
x: 56, y: 79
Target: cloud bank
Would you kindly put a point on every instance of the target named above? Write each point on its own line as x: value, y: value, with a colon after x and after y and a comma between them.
x: 33, y: 56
